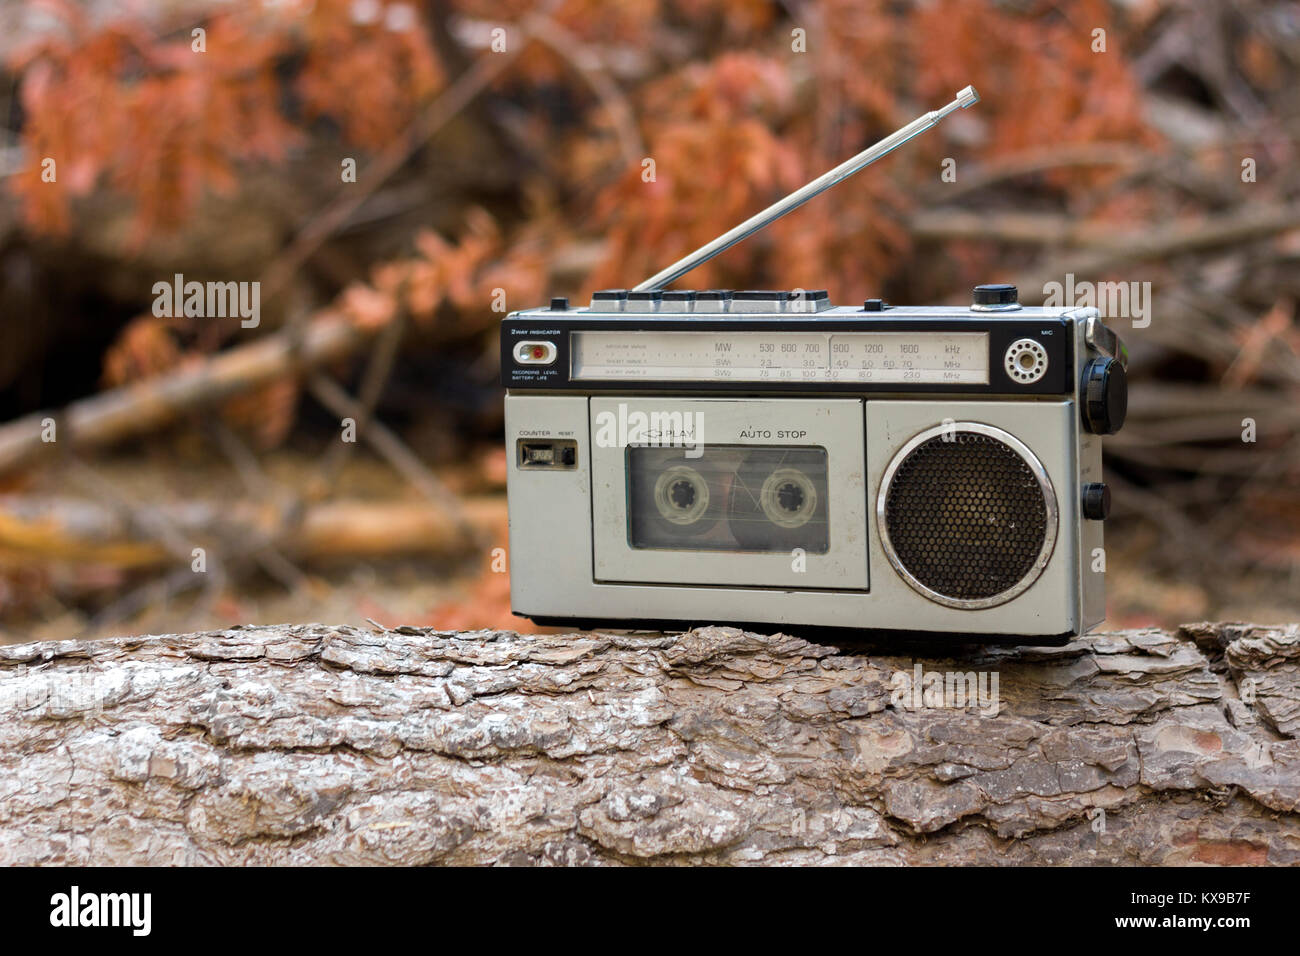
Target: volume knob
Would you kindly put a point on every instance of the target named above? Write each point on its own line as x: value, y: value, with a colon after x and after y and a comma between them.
x: 1096, y: 501
x: 997, y: 297
x: 1104, y: 396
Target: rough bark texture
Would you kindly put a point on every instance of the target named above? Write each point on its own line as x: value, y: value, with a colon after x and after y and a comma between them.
x: 314, y: 744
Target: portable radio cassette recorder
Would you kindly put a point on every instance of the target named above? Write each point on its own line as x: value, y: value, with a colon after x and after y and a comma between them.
x: 765, y: 458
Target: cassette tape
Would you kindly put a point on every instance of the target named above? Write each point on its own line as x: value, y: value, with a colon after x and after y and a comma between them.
x: 733, y: 498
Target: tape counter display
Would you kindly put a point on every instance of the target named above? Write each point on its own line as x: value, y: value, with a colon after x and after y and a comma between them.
x: 881, y: 357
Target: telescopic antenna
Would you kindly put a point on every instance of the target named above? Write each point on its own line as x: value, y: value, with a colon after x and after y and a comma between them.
x: 965, y: 99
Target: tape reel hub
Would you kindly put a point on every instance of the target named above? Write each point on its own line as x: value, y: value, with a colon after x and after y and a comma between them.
x: 788, y: 498
x: 681, y: 494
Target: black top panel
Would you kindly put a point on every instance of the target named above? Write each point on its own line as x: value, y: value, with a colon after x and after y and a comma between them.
x: 1053, y: 331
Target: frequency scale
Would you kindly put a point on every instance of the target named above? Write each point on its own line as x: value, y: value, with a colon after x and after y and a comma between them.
x: 889, y: 357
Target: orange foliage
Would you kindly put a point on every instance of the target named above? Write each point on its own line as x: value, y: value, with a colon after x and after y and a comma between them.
x: 464, y: 275
x: 264, y: 415
x: 733, y: 133
x: 714, y: 154
x: 145, y: 348
x: 369, y: 75
x: 159, y: 121
x: 1041, y: 82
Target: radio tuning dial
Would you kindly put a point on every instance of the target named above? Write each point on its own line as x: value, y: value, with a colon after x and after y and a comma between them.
x: 1104, y: 396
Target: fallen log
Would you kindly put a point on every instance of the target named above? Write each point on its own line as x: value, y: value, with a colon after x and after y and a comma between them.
x: 314, y: 744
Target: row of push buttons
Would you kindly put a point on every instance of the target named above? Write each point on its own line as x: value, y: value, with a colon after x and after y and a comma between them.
x: 712, y: 301
x: 987, y: 298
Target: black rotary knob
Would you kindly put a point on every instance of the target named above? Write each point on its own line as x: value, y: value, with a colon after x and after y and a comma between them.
x: 996, y: 294
x: 1104, y: 393
x: 1096, y: 500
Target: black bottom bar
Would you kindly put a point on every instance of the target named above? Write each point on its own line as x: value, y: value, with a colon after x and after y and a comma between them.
x: 926, y: 909
x: 835, y: 636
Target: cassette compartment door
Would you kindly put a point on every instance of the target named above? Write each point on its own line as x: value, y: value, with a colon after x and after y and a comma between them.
x: 753, y: 492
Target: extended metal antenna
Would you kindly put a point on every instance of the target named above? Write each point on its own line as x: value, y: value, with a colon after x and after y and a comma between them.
x: 965, y: 99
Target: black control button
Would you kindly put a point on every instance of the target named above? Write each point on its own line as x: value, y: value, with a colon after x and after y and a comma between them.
x: 996, y: 294
x: 874, y: 305
x: 1096, y: 501
x: 1104, y: 396
x: 560, y: 304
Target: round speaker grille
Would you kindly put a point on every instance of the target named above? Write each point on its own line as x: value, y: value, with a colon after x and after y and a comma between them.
x: 967, y: 515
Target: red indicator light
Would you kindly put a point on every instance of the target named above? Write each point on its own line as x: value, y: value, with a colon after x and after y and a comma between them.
x: 538, y: 352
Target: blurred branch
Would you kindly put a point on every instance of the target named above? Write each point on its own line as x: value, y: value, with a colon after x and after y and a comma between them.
x: 1177, y: 238
x: 1129, y: 247
x: 38, y: 529
x: 396, y: 453
x: 373, y: 380
x: 259, y: 485
x: 1031, y: 162
x: 587, y: 62
x: 119, y: 413
x: 438, y: 114
x: 178, y: 547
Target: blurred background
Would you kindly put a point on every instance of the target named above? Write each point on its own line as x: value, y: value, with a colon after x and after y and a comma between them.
x: 395, y: 175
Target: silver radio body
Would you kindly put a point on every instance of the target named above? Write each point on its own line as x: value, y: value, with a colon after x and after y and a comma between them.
x: 764, y: 459
x: 904, y: 469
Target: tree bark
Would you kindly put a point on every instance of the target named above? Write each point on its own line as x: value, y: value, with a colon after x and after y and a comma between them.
x: 314, y: 744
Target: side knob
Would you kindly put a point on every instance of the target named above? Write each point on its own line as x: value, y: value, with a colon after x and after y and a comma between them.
x: 1096, y: 501
x: 1104, y: 393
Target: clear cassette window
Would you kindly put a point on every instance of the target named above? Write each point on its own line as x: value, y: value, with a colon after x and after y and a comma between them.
x: 730, y: 498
